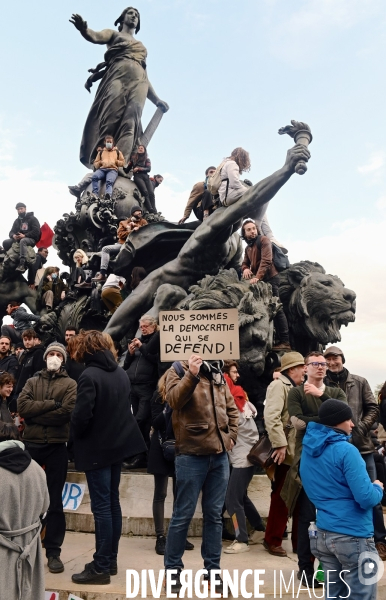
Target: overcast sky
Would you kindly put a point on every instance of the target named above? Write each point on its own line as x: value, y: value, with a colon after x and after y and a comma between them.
x: 233, y: 73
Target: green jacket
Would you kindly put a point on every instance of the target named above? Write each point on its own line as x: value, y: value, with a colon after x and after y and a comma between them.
x: 46, y: 403
x: 304, y: 407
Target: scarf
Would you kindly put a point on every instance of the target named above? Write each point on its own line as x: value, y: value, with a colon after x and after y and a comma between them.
x: 338, y: 378
x: 237, y: 392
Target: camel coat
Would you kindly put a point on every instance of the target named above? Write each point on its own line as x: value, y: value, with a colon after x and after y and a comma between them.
x: 276, y: 417
x: 23, y: 498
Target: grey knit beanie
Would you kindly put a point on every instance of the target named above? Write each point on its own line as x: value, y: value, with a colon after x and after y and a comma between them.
x: 58, y: 347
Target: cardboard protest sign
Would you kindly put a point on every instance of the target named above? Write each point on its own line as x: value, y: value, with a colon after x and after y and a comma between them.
x: 213, y: 334
x: 72, y: 597
x: 51, y: 596
x: 72, y: 495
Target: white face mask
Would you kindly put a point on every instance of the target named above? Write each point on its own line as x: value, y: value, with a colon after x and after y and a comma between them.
x: 109, y: 145
x: 53, y: 363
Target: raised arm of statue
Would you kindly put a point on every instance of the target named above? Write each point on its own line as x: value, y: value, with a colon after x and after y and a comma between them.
x: 152, y: 96
x: 262, y: 192
x: 96, y: 37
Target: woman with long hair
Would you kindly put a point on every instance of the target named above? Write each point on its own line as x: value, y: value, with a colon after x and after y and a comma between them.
x: 105, y: 433
x: 141, y: 166
x: 238, y: 505
x: 232, y: 188
x: 137, y: 275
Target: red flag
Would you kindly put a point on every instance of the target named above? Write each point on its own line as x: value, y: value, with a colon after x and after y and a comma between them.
x: 46, y: 237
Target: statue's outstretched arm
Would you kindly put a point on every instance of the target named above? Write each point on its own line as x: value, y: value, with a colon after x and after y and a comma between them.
x: 262, y: 192
x: 95, y: 37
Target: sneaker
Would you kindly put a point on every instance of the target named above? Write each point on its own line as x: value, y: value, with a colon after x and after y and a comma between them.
x: 21, y: 268
x: 83, y: 285
x: 91, y: 577
x: 160, y: 544
x: 256, y: 537
x: 55, y: 565
x: 189, y: 545
x: 75, y: 190
x: 237, y: 548
x: 113, y: 567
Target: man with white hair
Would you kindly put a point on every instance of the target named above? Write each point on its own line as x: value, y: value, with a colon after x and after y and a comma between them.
x: 46, y: 403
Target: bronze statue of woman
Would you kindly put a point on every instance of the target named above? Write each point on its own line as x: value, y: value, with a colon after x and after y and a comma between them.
x: 124, y: 87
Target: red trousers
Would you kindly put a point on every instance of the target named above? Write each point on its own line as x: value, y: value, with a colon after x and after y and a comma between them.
x: 278, y: 512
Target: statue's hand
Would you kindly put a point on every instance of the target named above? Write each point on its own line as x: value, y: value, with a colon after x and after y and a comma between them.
x: 296, y: 154
x: 163, y: 106
x: 78, y: 22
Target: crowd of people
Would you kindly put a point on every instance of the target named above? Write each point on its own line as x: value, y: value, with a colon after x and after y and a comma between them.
x: 190, y: 420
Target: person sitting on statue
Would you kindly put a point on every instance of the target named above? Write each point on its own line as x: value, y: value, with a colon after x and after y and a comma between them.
x: 111, y: 292
x: 125, y: 227
x: 107, y: 162
x: 195, y: 201
x: 156, y: 181
x: 78, y: 274
x: 257, y: 266
x: 141, y: 166
x: 53, y: 289
x: 35, y: 271
x: 26, y: 231
x: 21, y: 320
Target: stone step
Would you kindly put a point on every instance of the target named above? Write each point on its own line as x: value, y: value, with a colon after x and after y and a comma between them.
x: 136, y: 494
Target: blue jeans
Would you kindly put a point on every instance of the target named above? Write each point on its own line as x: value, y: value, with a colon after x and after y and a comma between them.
x: 103, y: 485
x: 106, y: 252
x: 100, y: 175
x: 379, y: 525
x: 210, y: 474
x: 338, y: 552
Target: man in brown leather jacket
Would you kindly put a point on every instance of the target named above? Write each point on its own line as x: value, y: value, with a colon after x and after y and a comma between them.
x: 205, y: 421
x: 257, y: 266
x: 365, y: 411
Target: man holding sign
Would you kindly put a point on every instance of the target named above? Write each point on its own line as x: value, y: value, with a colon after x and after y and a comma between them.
x: 205, y: 421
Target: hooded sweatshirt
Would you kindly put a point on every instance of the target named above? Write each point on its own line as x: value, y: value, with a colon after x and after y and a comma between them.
x: 335, y: 479
x: 13, y: 456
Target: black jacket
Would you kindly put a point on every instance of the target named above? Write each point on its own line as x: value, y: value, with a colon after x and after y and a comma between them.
x: 142, y: 366
x: 157, y: 465
x: 32, y: 362
x: 10, y: 364
x: 74, y: 369
x: 29, y: 225
x: 105, y: 430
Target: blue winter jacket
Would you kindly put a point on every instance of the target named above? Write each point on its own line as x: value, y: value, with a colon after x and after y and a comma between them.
x: 335, y: 479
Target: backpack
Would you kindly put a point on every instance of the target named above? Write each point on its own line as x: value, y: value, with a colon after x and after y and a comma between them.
x: 214, y: 182
x: 279, y: 259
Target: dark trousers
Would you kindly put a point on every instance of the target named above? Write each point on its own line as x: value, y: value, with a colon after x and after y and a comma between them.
x: 145, y: 186
x: 12, y: 333
x: 306, y: 513
x: 54, y: 459
x: 103, y: 485
x: 140, y: 395
x: 239, y: 506
x: 160, y: 493
x: 379, y: 525
x: 280, y: 320
x: 278, y: 512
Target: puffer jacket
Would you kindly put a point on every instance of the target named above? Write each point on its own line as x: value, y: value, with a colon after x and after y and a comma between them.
x: 205, y: 416
x: 28, y: 225
x: 346, y: 497
x: 22, y: 319
x: 364, y: 408
x: 46, y: 403
x: 276, y: 417
x: 142, y: 366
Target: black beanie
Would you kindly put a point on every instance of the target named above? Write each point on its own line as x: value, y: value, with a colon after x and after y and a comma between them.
x: 332, y: 412
x: 134, y: 209
x: 20, y: 205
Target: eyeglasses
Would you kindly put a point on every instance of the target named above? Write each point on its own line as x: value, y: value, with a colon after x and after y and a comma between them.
x: 317, y: 364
